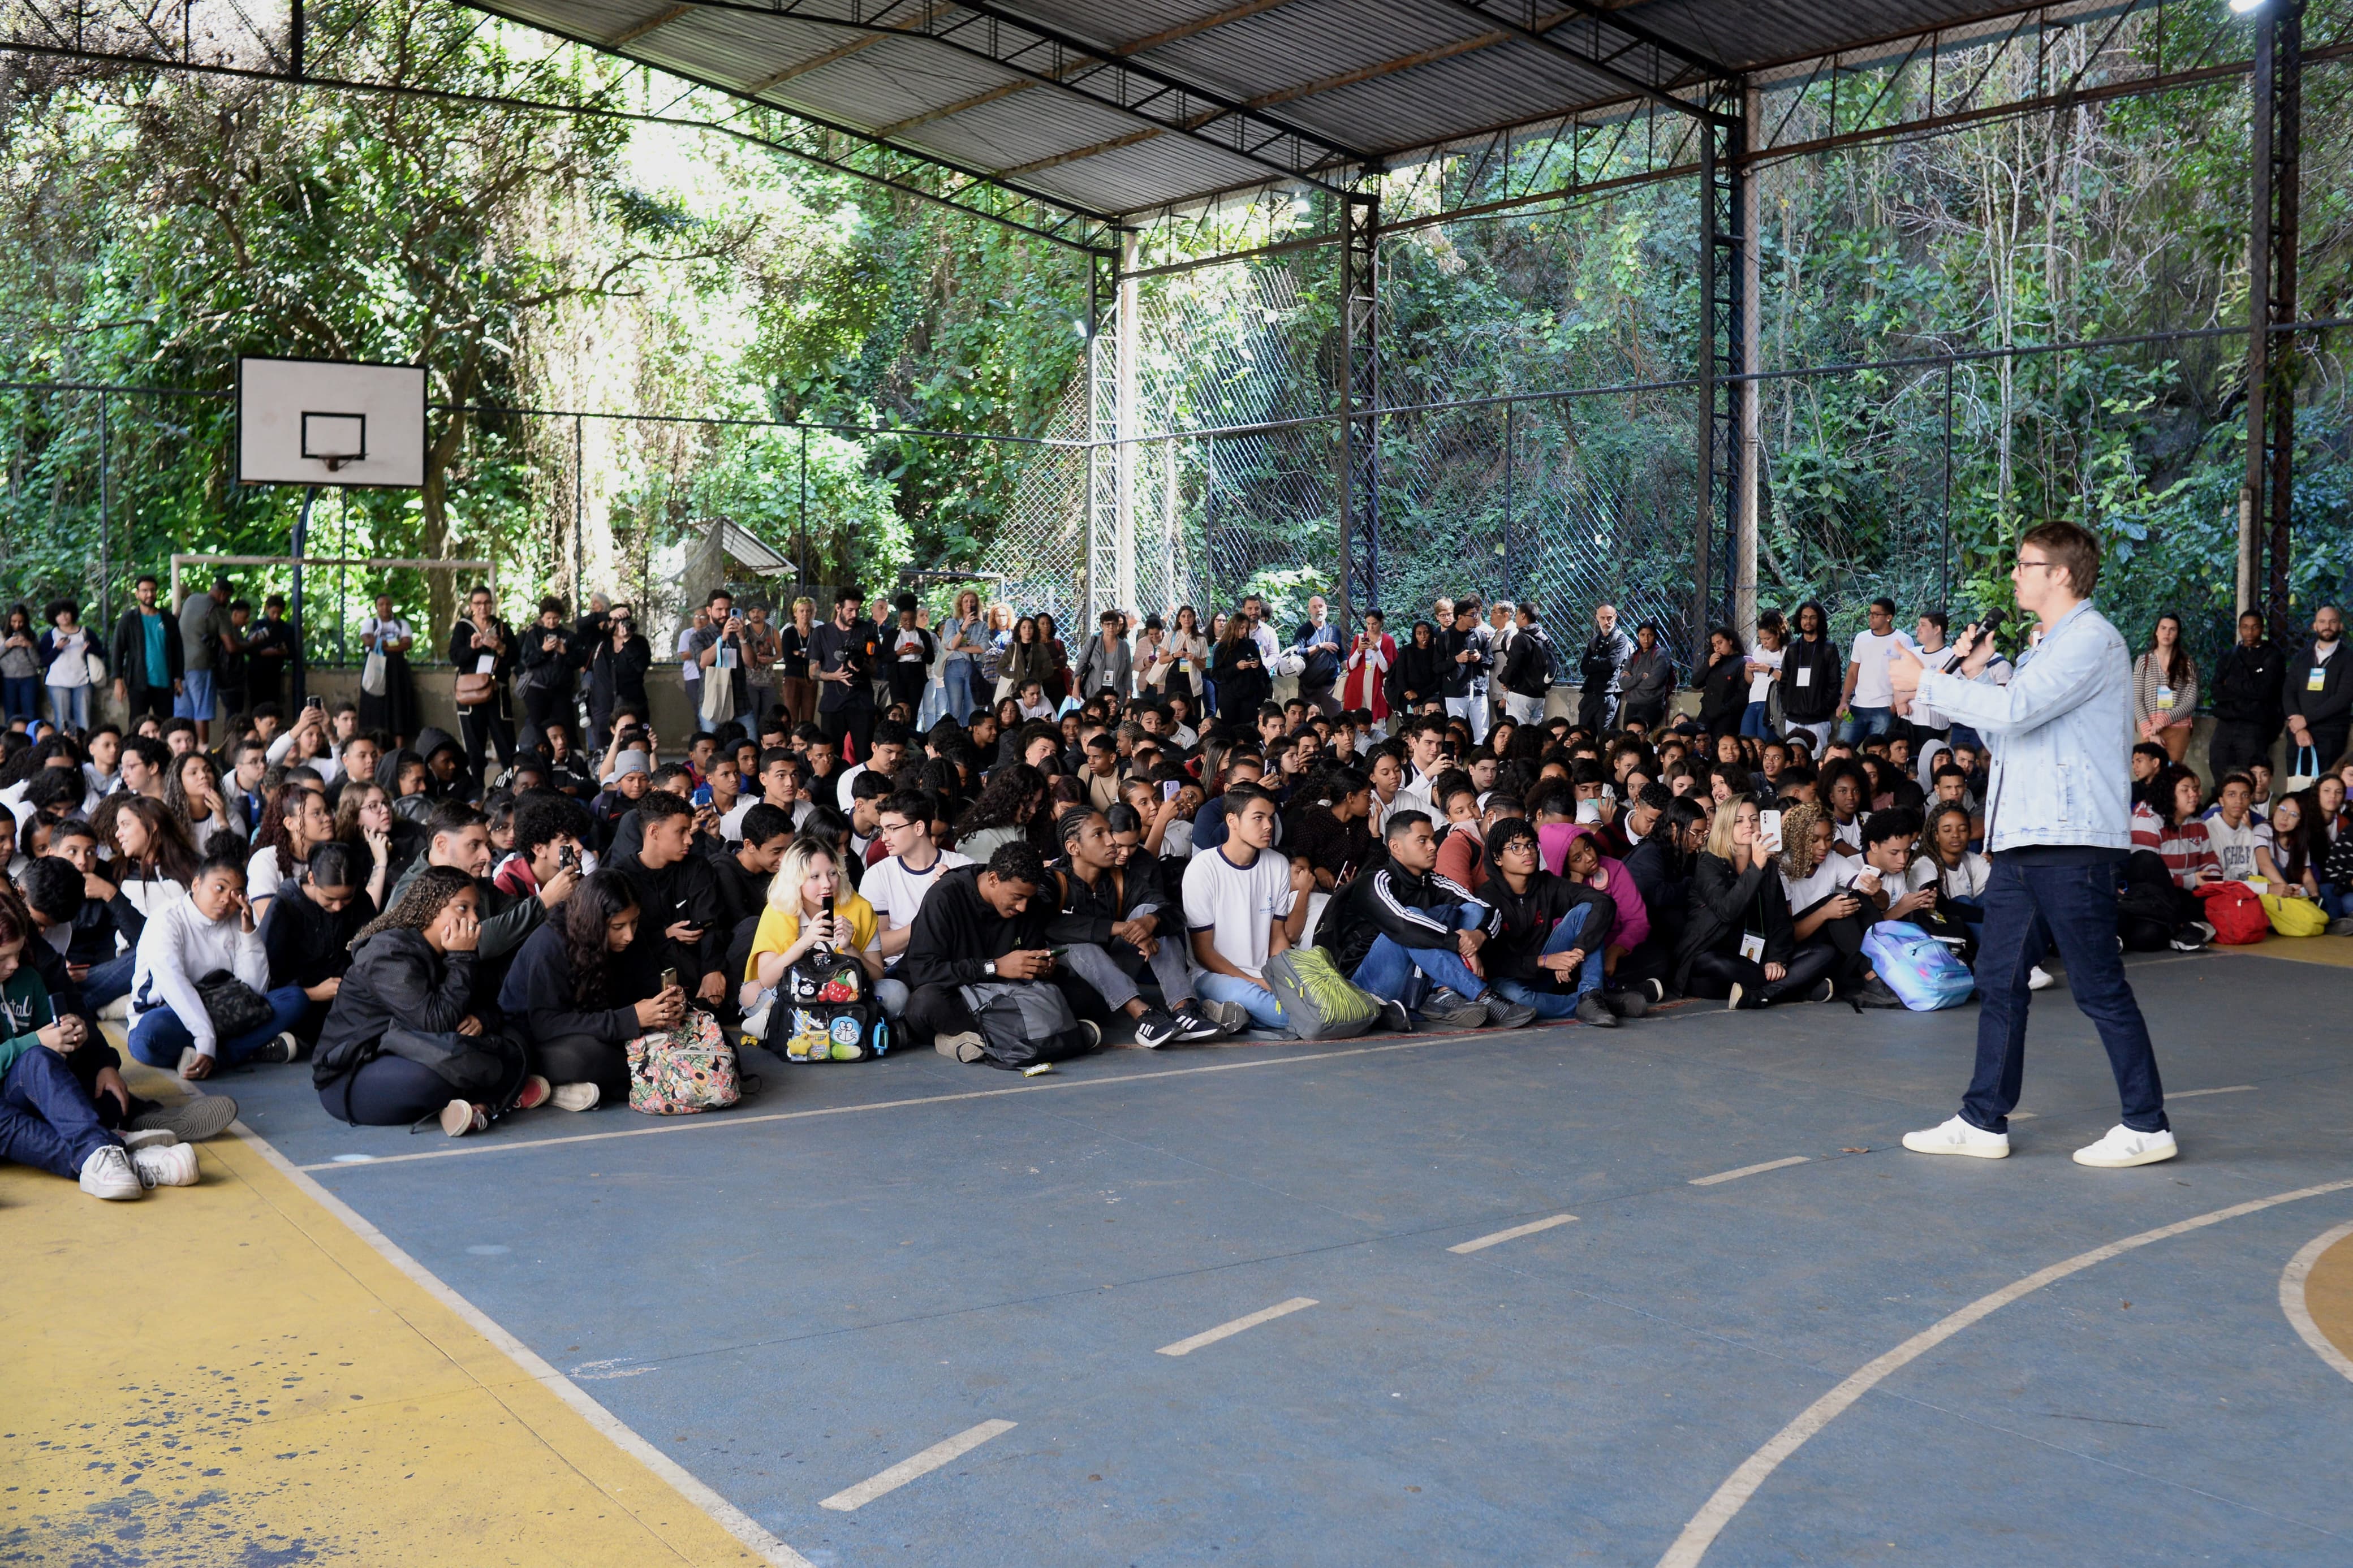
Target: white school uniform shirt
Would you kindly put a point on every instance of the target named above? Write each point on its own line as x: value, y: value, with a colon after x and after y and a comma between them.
x: 690, y: 667
x: 1238, y: 905
x: 1966, y: 880
x: 1806, y: 891
x: 1872, y: 687
x: 897, y: 891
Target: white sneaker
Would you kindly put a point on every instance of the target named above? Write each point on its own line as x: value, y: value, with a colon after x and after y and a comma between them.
x: 2038, y: 979
x: 148, y: 1138
x: 172, y: 1167
x: 576, y: 1097
x: 107, y: 1174
x: 1960, y: 1136
x: 2122, y: 1147
x: 117, y: 1011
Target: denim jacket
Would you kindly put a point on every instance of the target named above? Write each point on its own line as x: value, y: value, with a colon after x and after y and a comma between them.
x: 2062, y: 737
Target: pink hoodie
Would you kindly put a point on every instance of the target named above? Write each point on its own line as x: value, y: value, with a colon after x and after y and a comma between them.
x: 1634, y: 920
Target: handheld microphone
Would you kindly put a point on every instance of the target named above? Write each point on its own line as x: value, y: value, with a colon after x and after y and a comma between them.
x: 1986, y: 628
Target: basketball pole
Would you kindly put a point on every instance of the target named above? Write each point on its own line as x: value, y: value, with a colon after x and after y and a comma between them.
x: 302, y: 541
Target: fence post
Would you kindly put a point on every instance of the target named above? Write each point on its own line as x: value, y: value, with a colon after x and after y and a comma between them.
x: 105, y: 530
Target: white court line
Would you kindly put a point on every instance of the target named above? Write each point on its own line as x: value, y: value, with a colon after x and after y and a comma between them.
x: 728, y: 1517
x: 2194, y: 1093
x: 2291, y: 1302
x: 1514, y: 1234
x: 1744, y: 1483
x: 921, y: 1464
x: 1750, y: 1171
x: 1227, y: 1331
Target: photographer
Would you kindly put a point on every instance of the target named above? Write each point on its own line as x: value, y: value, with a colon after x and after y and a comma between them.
x: 616, y: 673
x: 548, y: 664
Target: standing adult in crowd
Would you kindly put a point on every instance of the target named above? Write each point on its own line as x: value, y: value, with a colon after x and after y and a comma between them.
x: 1648, y: 683
x: 2165, y: 689
x: 547, y: 668
x: 1764, y: 669
x: 796, y: 687
x: 2057, y: 822
x: 843, y: 655
x: 271, y: 647
x: 1811, y: 671
x: 1529, y: 662
x: 761, y: 651
x: 2319, y: 692
x: 616, y: 673
x: 1601, y: 667
x: 1107, y: 664
x: 204, y: 637
x: 482, y: 651
x: 146, y: 656
x: 392, y: 708
x: 20, y: 667
x: 1869, y: 702
x: 66, y: 651
x: 1724, y: 684
x: 964, y: 641
x: 2246, y: 698
x: 715, y: 646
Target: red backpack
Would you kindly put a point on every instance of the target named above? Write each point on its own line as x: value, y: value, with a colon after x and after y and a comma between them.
x: 2236, y: 912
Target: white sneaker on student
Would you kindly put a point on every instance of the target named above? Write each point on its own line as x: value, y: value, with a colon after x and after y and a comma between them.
x: 136, y: 1139
x: 117, y: 1011
x: 107, y: 1174
x: 172, y: 1167
x: 2123, y: 1147
x: 2038, y: 979
x: 576, y: 1097
x: 1960, y: 1136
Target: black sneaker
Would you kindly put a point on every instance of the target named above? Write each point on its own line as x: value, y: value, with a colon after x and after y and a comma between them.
x: 1395, y: 1017
x: 1505, y: 1013
x: 1452, y: 1010
x: 1191, y: 1025
x: 282, y: 1047
x: 1656, y: 988
x: 1591, y: 1009
x: 1625, y: 1003
x: 191, y: 1120
x: 1873, y: 992
x: 1155, y: 1029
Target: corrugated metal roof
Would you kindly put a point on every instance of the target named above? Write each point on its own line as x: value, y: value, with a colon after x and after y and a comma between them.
x: 1120, y: 106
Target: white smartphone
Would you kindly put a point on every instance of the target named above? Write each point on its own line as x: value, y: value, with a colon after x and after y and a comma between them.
x: 1768, y: 829
x: 1588, y: 810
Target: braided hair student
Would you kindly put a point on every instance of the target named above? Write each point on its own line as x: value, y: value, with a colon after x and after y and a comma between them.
x: 407, y: 1038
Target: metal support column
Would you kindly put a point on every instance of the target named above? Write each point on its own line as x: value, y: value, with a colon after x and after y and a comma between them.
x: 579, y: 517
x: 2267, y: 500
x: 1356, y: 455
x: 1722, y: 359
x: 1749, y: 480
x: 1103, y: 490
x: 105, y: 530
x: 1125, y: 420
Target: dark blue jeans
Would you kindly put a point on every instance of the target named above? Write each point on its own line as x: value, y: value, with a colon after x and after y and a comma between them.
x: 21, y: 696
x: 1386, y: 970
x: 107, y: 980
x: 47, y: 1119
x: 1554, y: 1004
x: 159, y: 1036
x: 2078, y: 903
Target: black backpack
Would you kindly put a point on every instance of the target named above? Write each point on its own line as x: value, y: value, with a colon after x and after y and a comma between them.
x: 826, y: 1011
x: 1321, y: 670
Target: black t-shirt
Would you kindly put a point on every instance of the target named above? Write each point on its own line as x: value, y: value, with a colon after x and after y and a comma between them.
x: 831, y: 649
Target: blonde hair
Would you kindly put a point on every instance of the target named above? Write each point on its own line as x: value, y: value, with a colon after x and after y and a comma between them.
x: 804, y: 603
x: 1798, y: 823
x: 1719, y: 832
x: 784, y: 886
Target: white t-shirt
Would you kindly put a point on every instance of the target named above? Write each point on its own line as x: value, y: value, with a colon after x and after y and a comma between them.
x: 690, y: 666
x: 897, y: 892
x: 849, y: 777
x: 1849, y: 833
x: 1870, y: 656
x: 2235, y: 846
x: 1806, y: 891
x: 1921, y: 873
x: 1966, y: 880
x: 71, y: 666
x: 1761, y: 686
x: 1238, y: 904
x: 261, y: 874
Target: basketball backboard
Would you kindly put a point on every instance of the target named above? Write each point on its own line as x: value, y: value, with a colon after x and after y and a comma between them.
x: 330, y: 422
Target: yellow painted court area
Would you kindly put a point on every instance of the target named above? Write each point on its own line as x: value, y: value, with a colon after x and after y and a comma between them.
x: 2329, y: 1295
x: 2330, y: 949
x: 227, y: 1373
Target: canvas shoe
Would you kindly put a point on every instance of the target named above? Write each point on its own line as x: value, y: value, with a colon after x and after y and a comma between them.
x: 1094, y: 1033
x: 1228, y: 1015
x: 1506, y: 1014
x: 1732, y: 997
x: 172, y: 1167
x: 960, y: 1048
x: 2038, y: 979
x: 459, y: 1117
x: 2122, y: 1147
x: 1958, y: 1135
x: 108, y: 1174
x: 1625, y: 1003
x: 1452, y: 1010
x: 535, y: 1093
x: 191, y: 1120
x: 576, y: 1097
x: 1591, y: 1009
x: 137, y: 1138
x: 282, y: 1047
x: 1826, y: 992
x: 1155, y: 1029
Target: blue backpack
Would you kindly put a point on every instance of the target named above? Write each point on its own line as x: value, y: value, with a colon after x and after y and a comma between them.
x: 1925, y: 973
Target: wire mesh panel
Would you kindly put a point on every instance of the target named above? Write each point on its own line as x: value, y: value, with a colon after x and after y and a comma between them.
x: 1446, y: 499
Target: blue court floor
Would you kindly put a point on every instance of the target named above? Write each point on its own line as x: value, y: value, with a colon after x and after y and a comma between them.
x: 1741, y: 1350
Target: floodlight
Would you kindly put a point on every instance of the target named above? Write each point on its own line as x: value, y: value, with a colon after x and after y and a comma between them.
x: 2241, y: 7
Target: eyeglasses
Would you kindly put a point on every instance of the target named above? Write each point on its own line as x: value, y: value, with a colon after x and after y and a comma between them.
x: 2023, y: 563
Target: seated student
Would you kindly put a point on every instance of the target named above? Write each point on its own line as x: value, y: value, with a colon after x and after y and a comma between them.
x: 49, y: 1118
x: 1546, y: 953
x: 1891, y: 882
x: 1739, y: 942
x: 546, y: 838
x: 184, y: 940
x: 627, y: 782
x: 101, y: 961
x: 2232, y: 828
x: 1952, y: 788
x: 1209, y: 825
x: 294, y: 821
x: 1846, y: 791
x: 980, y: 925
x: 408, y: 1028
x: 1108, y: 916
x: 2286, y: 861
x: 776, y: 783
x: 680, y: 927
x: 742, y: 871
x: 1402, y: 916
x: 1335, y: 835
x: 458, y: 838
x: 1667, y: 833
x: 2149, y: 761
x: 309, y: 929
x: 407, y: 785
x: 2172, y: 857
x: 1582, y: 861
x: 866, y: 797
x: 897, y: 884
x: 387, y: 842
x: 809, y: 904
x: 1013, y: 794
x: 1244, y: 902
x: 1460, y: 838
x: 578, y: 998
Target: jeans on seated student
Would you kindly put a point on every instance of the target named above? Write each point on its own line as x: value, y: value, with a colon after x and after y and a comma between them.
x: 1388, y: 967
x: 48, y: 1120
x: 1109, y: 970
x: 1264, y: 1007
x: 1554, y: 1004
x: 106, y: 982
x: 159, y: 1036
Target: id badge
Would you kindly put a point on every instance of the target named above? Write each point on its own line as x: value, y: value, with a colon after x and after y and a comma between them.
x: 2317, y: 678
x: 2165, y: 699
x: 1805, y: 675
x: 1752, y: 947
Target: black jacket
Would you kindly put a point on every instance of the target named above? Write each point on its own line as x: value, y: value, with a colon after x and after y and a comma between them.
x: 1418, y: 670
x: 1240, y: 691
x: 1527, y: 662
x: 2245, y: 689
x: 395, y: 980
x: 2333, y: 701
x: 306, y: 944
x: 1603, y: 662
x: 1720, y: 908
x: 1817, y: 700
x: 463, y: 657
x: 127, y: 649
x: 537, y: 995
x: 1723, y: 695
x: 1528, y: 920
x: 666, y: 895
x: 1457, y: 677
x: 1412, y: 909
x: 957, y: 931
x: 618, y: 676
x: 543, y: 665
x: 1087, y: 913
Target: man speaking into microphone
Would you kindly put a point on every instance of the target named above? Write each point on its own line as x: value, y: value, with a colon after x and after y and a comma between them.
x: 2058, y: 823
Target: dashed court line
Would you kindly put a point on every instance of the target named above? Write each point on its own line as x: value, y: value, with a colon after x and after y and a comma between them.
x: 1481, y: 1243
x: 1227, y: 1330
x: 1751, y: 1170
x: 2194, y: 1093
x: 916, y: 1465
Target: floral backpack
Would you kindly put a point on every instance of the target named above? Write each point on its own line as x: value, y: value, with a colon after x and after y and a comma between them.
x: 681, y: 1070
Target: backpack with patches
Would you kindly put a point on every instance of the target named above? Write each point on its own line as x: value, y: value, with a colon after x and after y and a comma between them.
x: 825, y: 1010
x: 1925, y: 973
